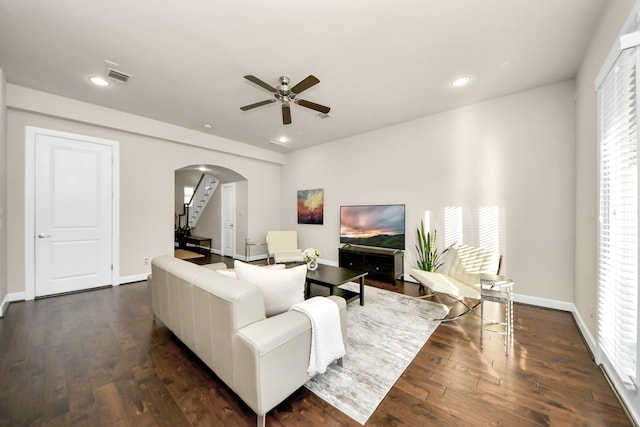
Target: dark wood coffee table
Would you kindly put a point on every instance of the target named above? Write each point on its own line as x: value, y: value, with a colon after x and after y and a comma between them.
x: 332, y: 277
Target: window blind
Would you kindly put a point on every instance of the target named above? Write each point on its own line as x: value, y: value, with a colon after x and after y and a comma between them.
x: 618, y: 219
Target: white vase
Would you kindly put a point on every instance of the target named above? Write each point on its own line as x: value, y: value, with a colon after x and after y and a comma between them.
x: 312, y: 265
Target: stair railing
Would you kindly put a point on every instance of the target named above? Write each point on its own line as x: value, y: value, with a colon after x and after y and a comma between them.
x: 185, y: 207
x: 201, y: 196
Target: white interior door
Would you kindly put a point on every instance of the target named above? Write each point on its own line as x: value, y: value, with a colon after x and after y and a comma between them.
x: 228, y: 219
x: 73, y: 214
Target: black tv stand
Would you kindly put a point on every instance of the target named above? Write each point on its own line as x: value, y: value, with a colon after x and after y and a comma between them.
x: 381, y: 264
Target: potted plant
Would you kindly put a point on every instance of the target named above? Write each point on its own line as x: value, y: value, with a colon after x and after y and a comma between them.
x: 428, y: 255
x: 181, y: 232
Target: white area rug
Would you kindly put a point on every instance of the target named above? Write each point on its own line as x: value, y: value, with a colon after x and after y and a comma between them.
x: 383, y: 338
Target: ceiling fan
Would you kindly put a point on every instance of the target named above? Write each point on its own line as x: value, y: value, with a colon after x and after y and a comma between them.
x: 286, y: 95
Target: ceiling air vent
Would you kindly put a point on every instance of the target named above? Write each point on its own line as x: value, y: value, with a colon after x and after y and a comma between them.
x: 118, y: 75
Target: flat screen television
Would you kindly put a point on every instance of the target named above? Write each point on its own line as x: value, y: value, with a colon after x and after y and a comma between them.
x: 380, y: 226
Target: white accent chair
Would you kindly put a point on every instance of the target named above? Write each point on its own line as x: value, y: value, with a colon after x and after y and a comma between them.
x: 462, y: 280
x: 283, y: 246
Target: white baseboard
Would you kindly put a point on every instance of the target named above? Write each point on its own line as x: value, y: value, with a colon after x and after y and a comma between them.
x: 21, y: 296
x: 564, y: 306
x: 627, y: 398
x: 544, y: 302
x: 588, y: 338
x: 524, y: 299
x: 9, y: 298
x: 4, y: 306
x: 133, y: 278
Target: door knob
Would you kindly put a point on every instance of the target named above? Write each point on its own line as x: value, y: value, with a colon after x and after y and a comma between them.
x: 43, y: 236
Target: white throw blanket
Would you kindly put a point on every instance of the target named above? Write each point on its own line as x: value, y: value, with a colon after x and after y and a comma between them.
x: 326, y: 332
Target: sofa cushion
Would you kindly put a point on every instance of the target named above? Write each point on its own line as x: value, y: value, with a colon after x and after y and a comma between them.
x: 281, y: 288
x: 215, y: 266
x: 228, y: 273
x: 231, y: 273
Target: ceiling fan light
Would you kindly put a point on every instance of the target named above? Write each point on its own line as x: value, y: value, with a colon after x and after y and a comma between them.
x: 286, y: 95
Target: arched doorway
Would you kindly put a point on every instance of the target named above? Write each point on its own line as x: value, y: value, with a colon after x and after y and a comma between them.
x: 215, y: 215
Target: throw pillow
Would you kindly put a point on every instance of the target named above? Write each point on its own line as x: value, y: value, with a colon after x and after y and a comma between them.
x: 281, y: 288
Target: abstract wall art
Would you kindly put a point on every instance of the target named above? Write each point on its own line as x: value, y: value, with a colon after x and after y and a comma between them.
x: 310, y: 206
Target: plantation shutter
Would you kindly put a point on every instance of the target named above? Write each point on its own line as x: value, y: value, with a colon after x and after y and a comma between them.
x: 618, y: 220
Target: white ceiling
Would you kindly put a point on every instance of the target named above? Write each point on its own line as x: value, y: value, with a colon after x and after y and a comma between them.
x: 380, y: 62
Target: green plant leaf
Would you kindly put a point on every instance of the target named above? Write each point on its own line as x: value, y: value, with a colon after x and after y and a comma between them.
x: 428, y: 254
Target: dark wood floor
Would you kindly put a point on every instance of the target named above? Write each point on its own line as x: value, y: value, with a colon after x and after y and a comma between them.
x: 97, y: 359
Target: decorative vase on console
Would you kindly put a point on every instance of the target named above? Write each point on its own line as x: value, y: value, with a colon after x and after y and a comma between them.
x: 310, y: 256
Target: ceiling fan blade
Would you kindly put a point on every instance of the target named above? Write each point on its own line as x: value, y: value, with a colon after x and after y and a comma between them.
x: 260, y: 83
x: 257, y: 104
x: 313, y: 106
x: 305, y: 84
x: 286, y: 113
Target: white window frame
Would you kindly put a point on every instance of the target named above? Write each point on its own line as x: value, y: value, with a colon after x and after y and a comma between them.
x: 629, y: 37
x: 618, y: 220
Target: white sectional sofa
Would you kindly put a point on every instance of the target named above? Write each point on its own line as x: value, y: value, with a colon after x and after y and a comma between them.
x: 222, y: 320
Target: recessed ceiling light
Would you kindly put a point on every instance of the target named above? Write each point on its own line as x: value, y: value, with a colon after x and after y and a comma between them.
x: 278, y: 142
x: 461, y: 81
x: 98, y: 81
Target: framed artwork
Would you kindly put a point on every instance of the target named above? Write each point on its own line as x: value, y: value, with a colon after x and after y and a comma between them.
x: 310, y: 206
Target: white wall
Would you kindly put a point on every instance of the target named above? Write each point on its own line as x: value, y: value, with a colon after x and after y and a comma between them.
x: 515, y: 152
x: 3, y: 196
x: 147, y: 166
